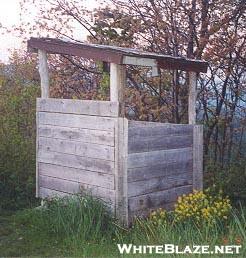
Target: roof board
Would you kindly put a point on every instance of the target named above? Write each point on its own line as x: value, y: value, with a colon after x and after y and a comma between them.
x: 114, y: 54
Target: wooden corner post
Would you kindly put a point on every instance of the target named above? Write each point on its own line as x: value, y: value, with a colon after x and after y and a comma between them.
x: 192, y: 98
x: 198, y: 157
x: 197, y: 134
x: 117, y: 84
x: 44, y: 73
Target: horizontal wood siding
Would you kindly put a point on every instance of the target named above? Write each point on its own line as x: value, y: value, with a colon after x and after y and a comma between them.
x: 76, y: 148
x: 160, y: 165
x: 157, y: 199
x: 77, y: 134
x: 89, y: 150
x: 80, y: 121
x: 77, y: 175
x: 79, y: 107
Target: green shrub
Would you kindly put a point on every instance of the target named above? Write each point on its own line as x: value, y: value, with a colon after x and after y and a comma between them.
x: 17, y: 146
x: 76, y: 218
x: 202, y: 207
x: 230, y: 178
x: 199, y: 208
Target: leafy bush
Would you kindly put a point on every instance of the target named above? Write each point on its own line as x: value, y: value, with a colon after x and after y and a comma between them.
x: 198, y: 207
x: 230, y: 178
x: 73, y: 219
x: 159, y: 217
x: 201, y: 206
x: 17, y: 145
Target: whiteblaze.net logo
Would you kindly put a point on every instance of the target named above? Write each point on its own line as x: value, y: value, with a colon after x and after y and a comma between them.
x: 175, y: 249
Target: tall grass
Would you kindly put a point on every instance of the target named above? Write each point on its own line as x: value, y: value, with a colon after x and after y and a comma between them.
x: 83, y: 226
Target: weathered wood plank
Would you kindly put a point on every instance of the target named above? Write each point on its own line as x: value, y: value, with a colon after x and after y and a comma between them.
x: 131, y: 60
x: 60, y: 185
x: 160, y: 170
x: 74, y: 161
x: 153, y: 143
x: 198, y: 157
x: 117, y: 84
x: 145, y: 159
x: 77, y: 134
x: 77, y: 148
x: 151, y: 129
x: 157, y: 199
x: 44, y: 73
x: 146, y: 212
x: 71, y: 187
x: 37, y: 171
x: 77, y: 175
x: 49, y: 193
x: 192, y: 97
x: 158, y: 184
x: 79, y: 107
x: 121, y: 170
x: 80, y: 121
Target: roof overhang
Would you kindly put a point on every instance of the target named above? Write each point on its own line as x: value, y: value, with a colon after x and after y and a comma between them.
x: 117, y: 55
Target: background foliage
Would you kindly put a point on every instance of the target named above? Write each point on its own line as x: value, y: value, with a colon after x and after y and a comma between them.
x: 17, y: 135
x: 199, y: 29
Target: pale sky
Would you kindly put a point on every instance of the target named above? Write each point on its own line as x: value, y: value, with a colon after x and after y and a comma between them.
x: 9, y: 16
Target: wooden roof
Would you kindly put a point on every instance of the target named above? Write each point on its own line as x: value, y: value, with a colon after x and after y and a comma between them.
x: 113, y: 54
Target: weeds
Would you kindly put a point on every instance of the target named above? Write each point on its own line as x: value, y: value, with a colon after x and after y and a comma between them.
x: 83, y: 227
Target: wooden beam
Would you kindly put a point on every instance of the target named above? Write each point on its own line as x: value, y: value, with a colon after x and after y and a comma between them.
x: 121, y: 153
x: 131, y: 60
x: 139, y: 61
x: 117, y: 55
x: 198, y: 157
x: 44, y: 73
x: 117, y: 84
x: 192, y: 98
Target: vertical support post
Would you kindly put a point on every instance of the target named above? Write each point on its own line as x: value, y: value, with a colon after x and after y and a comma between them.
x: 198, y: 157
x: 192, y: 98
x: 44, y: 73
x: 117, y: 84
x: 37, y: 143
x: 121, y: 149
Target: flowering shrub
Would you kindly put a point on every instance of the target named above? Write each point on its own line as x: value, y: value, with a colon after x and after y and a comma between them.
x: 158, y: 217
x: 199, y: 206
x: 202, y: 206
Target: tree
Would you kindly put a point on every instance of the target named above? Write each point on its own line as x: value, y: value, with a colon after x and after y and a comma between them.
x: 201, y: 29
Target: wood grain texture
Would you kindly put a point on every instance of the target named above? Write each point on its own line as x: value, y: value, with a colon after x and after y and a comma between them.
x: 121, y: 170
x: 133, y: 215
x: 44, y: 73
x: 146, y: 159
x: 158, y: 184
x: 74, y: 161
x: 37, y: 170
x: 79, y: 107
x: 157, y: 199
x: 160, y: 170
x: 80, y: 121
x: 49, y: 193
x: 192, y: 97
x: 153, y: 129
x: 77, y: 148
x: 78, y: 175
x: 71, y: 187
x: 117, y: 82
x: 153, y: 143
x: 77, y: 134
x: 198, y: 157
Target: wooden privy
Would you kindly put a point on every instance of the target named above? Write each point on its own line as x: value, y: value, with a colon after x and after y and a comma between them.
x: 85, y: 145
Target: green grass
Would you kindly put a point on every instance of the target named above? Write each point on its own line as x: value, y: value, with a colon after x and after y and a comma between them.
x: 83, y: 227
